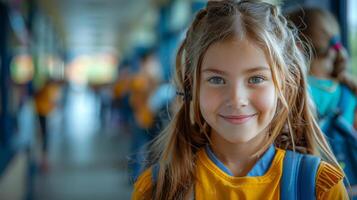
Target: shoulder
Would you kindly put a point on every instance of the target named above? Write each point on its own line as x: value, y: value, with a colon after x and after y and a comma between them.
x: 326, y: 178
x: 143, y: 185
x: 329, y: 182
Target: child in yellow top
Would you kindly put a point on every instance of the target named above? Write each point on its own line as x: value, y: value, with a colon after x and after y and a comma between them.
x: 244, y: 104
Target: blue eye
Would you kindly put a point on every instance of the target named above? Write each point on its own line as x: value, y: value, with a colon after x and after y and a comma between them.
x: 216, y: 80
x: 256, y: 80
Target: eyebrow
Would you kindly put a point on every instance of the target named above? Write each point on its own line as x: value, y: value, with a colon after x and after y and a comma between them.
x: 217, y: 71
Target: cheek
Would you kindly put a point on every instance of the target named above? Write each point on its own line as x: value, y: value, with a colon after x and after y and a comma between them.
x: 209, y: 100
x: 321, y: 44
x: 265, y: 101
x: 204, y: 101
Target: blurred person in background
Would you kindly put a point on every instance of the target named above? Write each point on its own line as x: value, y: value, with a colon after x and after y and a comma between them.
x: 142, y: 86
x: 142, y: 101
x: 45, y: 102
x: 122, y: 110
x: 331, y: 87
x: 328, y: 69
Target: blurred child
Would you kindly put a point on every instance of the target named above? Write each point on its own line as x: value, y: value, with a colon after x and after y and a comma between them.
x: 45, y: 103
x: 327, y: 74
x: 142, y: 86
x: 331, y: 88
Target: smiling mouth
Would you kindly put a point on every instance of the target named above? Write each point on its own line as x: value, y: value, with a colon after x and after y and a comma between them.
x: 237, y: 119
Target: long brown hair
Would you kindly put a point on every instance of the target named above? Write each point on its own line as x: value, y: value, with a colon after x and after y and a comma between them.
x: 293, y: 126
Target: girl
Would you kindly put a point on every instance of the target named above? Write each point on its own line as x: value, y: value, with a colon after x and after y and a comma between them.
x: 327, y: 70
x: 244, y: 106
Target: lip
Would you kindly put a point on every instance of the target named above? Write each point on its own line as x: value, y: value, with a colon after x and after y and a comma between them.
x: 237, y: 119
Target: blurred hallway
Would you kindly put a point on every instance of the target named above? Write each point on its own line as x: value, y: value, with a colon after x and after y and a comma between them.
x: 112, y: 62
x: 86, y: 161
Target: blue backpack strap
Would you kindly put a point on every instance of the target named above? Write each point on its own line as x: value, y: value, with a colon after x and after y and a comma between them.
x: 289, y: 178
x: 307, y: 176
x: 299, y: 176
x: 344, y: 99
x: 347, y: 98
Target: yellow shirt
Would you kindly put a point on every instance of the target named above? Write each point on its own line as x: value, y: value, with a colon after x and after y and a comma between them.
x: 213, y: 183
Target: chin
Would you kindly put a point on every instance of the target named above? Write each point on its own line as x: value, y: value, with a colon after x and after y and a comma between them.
x: 238, y: 140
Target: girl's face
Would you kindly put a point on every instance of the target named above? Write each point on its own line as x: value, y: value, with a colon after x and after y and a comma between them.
x: 321, y: 32
x: 237, y: 95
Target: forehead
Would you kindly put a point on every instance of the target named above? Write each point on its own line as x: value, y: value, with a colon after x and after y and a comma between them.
x: 234, y: 54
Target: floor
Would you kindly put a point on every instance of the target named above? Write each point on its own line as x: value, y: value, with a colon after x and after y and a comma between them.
x: 87, y: 159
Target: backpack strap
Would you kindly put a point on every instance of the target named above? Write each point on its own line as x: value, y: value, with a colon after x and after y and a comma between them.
x: 289, y: 178
x: 343, y: 99
x: 307, y: 176
x: 299, y: 176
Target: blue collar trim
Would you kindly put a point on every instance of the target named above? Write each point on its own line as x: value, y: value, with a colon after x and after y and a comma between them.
x: 259, y: 169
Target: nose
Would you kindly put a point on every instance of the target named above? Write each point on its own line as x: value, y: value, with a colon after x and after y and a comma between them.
x: 238, y: 97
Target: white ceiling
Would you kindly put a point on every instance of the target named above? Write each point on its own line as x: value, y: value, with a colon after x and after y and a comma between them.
x: 104, y: 25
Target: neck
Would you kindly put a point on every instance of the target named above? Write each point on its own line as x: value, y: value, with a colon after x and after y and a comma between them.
x: 238, y: 157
